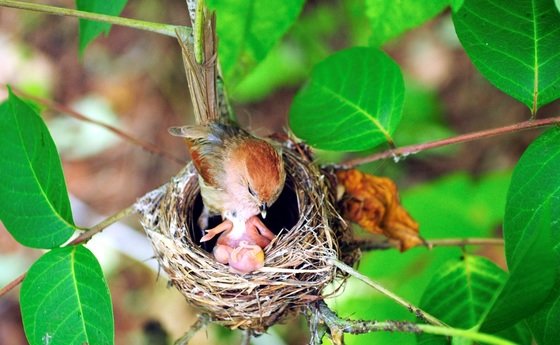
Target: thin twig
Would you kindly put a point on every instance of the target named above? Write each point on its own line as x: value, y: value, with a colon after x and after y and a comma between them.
x: 412, y: 308
x: 84, y: 237
x: 80, y: 239
x: 340, y: 326
x: 127, y: 137
x: 203, y: 320
x: 367, y: 245
x: 413, y: 149
x: 11, y: 285
x: 163, y: 29
x: 246, y: 337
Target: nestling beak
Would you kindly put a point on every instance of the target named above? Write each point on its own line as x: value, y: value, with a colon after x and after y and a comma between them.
x: 263, y: 210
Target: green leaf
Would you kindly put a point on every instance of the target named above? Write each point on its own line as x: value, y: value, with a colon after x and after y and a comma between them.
x: 65, y: 300
x: 34, y: 204
x: 456, y: 5
x: 514, y: 44
x: 389, y: 19
x: 544, y: 323
x: 353, y: 101
x: 557, y: 3
x: 460, y: 295
x: 532, y: 232
x: 248, y: 30
x: 89, y: 30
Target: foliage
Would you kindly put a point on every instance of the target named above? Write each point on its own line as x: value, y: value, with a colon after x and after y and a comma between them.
x: 353, y: 101
x: 90, y: 30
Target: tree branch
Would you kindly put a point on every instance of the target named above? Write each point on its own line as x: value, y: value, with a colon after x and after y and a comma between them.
x: 412, y: 308
x: 84, y: 237
x: 338, y: 327
x: 203, y: 320
x: 163, y: 29
x: 413, y: 149
x: 367, y: 245
x: 126, y: 137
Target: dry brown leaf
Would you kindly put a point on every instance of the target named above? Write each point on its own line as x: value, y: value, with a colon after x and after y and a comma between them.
x: 373, y: 203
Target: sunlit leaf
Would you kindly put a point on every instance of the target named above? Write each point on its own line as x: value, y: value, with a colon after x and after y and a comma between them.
x: 531, y: 232
x: 514, y: 44
x: 389, y: 19
x: 65, y: 300
x: 34, y: 204
x: 457, y: 4
x: 89, y: 30
x: 353, y: 101
x: 460, y: 294
x: 248, y: 30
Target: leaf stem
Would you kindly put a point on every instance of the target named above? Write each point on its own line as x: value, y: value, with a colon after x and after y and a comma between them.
x: 340, y: 326
x: 413, y: 149
x: 412, y: 308
x: 123, y: 135
x: 464, y: 333
x: 163, y: 29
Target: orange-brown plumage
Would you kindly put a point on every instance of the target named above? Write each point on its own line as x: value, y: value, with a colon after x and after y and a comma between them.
x: 240, y: 176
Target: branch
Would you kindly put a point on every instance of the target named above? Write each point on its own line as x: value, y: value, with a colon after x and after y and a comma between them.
x: 203, y: 320
x: 163, y: 29
x: 413, y: 149
x: 11, y: 285
x: 84, y: 237
x: 340, y: 326
x: 127, y: 137
x: 367, y: 245
x: 412, y: 308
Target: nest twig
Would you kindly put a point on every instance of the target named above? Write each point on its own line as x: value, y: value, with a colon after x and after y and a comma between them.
x: 298, y: 262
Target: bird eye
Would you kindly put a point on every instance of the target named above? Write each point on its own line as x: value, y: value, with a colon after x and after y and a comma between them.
x: 251, y: 191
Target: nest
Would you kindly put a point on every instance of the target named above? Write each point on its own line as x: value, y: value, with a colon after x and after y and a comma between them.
x: 298, y: 264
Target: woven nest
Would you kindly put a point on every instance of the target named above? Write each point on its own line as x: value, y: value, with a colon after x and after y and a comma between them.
x: 298, y: 262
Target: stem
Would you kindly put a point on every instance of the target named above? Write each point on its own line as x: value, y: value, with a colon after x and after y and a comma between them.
x: 202, y: 321
x: 104, y: 224
x: 127, y: 137
x: 464, y: 333
x: 412, y: 308
x: 412, y: 149
x: 443, y: 242
x: 163, y: 29
x: 80, y: 239
x: 11, y: 285
x: 340, y: 326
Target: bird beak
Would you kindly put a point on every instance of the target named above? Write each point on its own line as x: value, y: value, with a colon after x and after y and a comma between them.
x: 263, y: 210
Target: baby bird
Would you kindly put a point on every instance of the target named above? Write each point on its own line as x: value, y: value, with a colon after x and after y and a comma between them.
x: 240, y: 176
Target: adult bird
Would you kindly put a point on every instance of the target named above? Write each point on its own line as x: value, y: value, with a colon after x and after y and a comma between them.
x: 240, y: 176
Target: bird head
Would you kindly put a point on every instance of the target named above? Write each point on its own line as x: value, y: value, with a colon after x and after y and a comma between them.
x: 262, y: 173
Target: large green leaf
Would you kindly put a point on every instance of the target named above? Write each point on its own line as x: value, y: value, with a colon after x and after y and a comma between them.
x: 353, y: 101
x: 89, y: 30
x: 389, y: 19
x: 65, y: 300
x: 461, y: 293
x: 544, y: 323
x: 248, y: 29
x: 514, y: 44
x: 34, y: 204
x: 532, y: 233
